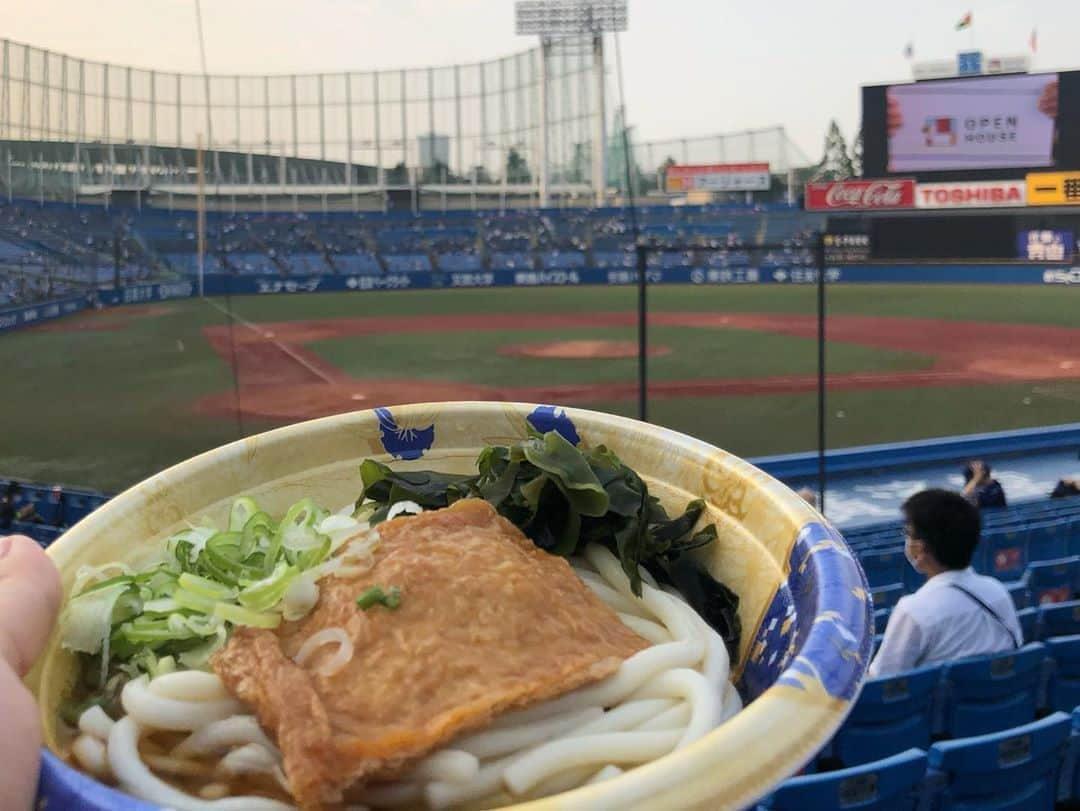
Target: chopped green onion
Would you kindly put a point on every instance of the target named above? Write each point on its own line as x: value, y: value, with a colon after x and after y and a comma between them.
x: 164, y: 605
x: 238, y: 615
x: 242, y: 510
x: 374, y: 595
x: 194, y: 602
x: 264, y: 594
x: 206, y: 588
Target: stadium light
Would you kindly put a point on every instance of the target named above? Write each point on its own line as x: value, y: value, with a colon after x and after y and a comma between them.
x: 562, y: 19
x: 567, y: 18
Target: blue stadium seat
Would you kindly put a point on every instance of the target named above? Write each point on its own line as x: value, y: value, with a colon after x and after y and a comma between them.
x: 887, y: 596
x: 912, y: 579
x: 1053, y: 581
x: 991, y: 693
x: 50, y: 511
x: 1029, y: 623
x: 891, y: 714
x: 881, y: 620
x: 1020, y: 593
x: 883, y: 568
x: 1063, y: 682
x: 1014, y: 770
x: 1047, y: 541
x: 893, y: 784
x: 1006, y: 554
x: 1059, y: 619
x: 1072, y: 534
x: 77, y: 507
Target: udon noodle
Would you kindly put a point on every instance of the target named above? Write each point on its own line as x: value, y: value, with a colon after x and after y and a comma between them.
x: 659, y: 700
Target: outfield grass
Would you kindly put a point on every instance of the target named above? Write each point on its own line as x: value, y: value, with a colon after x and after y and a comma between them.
x: 107, y: 408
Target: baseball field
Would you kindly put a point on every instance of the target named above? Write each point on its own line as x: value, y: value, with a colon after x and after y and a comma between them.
x: 106, y: 398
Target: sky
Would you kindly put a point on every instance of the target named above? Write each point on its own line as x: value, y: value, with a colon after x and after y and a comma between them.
x: 691, y: 67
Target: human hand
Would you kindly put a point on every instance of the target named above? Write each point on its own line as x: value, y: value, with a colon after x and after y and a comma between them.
x: 29, y: 601
x: 979, y: 473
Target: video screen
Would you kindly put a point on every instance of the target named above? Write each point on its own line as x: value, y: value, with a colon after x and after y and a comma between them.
x: 1001, y: 122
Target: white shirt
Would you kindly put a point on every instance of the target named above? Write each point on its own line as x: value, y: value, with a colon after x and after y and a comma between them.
x: 939, y: 623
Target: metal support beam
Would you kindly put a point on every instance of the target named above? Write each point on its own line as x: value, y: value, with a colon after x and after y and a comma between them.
x: 543, y: 161
x: 599, y: 178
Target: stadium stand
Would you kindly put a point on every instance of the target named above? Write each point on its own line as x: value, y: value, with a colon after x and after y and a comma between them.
x: 45, y: 248
x: 892, y: 784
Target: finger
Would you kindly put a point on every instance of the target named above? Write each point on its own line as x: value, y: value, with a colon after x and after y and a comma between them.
x: 29, y: 600
x: 20, y: 743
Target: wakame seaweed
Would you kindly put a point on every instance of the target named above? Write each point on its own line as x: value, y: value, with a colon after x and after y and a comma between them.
x: 564, y: 498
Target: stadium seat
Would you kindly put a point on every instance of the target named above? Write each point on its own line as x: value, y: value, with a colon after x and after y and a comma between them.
x: 890, y: 715
x: 1014, y: 770
x: 1047, y: 541
x: 884, y: 568
x: 991, y: 693
x: 77, y: 507
x: 893, y: 784
x: 881, y: 620
x: 1059, y: 619
x: 1006, y: 554
x: 1029, y: 623
x: 887, y: 596
x: 1020, y: 593
x: 1063, y: 673
x: 1053, y: 581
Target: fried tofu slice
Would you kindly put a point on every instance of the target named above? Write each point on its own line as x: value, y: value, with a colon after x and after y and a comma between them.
x: 488, y: 623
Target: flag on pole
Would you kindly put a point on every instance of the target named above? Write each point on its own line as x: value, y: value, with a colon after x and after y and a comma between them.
x: 909, y: 50
x: 964, y: 22
x: 1034, y: 40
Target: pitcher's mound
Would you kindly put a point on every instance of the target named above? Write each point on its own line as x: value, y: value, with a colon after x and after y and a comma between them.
x: 580, y: 349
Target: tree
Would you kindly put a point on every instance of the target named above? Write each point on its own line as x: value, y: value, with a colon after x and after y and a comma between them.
x: 517, y: 169
x: 836, y: 162
x: 661, y: 173
x: 579, y: 165
x: 398, y: 176
x: 857, y: 155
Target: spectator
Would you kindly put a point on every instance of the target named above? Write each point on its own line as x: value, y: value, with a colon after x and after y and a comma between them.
x: 10, y: 511
x: 1065, y: 488
x: 56, y: 497
x: 956, y: 613
x: 980, y: 488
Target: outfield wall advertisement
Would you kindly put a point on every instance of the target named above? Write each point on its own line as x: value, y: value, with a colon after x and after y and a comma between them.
x: 37, y: 313
x: 220, y: 285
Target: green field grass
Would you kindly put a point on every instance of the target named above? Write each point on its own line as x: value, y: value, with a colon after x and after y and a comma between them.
x: 107, y: 408
x: 474, y: 357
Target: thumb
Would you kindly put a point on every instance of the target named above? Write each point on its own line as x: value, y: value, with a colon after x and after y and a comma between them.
x: 29, y: 600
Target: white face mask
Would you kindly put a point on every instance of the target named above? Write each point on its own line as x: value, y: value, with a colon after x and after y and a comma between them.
x: 910, y: 559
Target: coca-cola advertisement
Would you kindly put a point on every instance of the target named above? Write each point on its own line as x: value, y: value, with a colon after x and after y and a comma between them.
x: 854, y: 195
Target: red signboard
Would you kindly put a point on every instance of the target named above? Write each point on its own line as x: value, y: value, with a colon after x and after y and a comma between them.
x: 717, y: 177
x: 860, y: 194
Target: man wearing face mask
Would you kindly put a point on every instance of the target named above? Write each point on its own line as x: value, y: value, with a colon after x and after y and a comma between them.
x: 956, y: 613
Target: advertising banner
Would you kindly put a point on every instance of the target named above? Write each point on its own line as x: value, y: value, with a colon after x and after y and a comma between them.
x: 717, y: 177
x: 860, y: 194
x: 975, y: 194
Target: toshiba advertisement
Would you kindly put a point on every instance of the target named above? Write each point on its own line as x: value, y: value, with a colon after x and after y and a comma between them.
x: 973, y: 194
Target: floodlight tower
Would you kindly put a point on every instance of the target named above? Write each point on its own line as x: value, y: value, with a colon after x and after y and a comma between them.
x: 553, y: 20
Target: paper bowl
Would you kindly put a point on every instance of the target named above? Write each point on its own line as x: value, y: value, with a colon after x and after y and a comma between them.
x: 805, y: 605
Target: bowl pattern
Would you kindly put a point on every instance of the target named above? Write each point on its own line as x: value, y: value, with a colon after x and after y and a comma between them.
x: 805, y: 605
